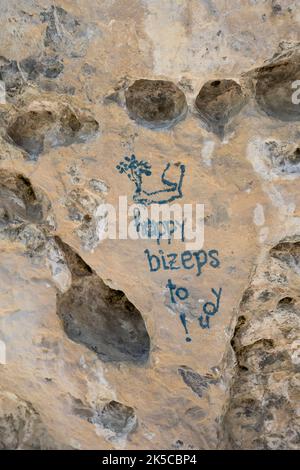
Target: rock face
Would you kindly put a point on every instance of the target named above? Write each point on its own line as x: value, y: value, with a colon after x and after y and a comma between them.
x: 264, y: 398
x: 145, y: 339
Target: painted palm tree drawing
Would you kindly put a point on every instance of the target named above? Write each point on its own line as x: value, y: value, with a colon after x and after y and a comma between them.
x: 136, y: 170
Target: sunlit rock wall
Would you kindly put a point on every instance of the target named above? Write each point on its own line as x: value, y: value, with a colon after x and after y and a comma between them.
x: 142, y: 343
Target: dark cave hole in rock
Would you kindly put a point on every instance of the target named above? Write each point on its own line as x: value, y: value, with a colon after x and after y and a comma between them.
x: 99, y: 317
x: 155, y: 103
x: 19, y: 202
x: 218, y: 102
x: 34, y: 131
x: 286, y: 302
x: 274, y: 88
x: 117, y: 417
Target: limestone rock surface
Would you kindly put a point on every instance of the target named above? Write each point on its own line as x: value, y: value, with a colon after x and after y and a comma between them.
x: 192, y: 102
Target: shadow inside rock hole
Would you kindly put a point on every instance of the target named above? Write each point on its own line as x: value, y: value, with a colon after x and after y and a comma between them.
x: 101, y: 318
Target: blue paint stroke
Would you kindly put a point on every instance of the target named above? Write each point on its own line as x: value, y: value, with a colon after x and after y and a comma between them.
x: 137, y: 169
x: 183, y: 321
x: 210, y: 309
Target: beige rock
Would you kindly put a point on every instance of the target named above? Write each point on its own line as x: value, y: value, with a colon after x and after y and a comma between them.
x: 136, y: 375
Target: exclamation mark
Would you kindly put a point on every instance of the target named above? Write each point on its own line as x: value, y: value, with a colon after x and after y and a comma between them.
x: 183, y: 321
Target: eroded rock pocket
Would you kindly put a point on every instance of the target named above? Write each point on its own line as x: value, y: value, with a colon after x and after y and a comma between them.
x: 19, y: 201
x: 261, y: 412
x: 43, y: 127
x: 99, y: 317
x: 274, y: 91
x: 21, y: 427
x: 155, y: 103
x: 117, y: 417
x: 218, y: 102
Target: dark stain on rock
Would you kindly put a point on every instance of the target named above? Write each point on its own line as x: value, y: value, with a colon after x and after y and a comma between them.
x: 99, y: 317
x: 265, y: 296
x: 276, y: 8
x: 198, y: 383
x: 16, y: 75
x: 196, y: 413
x: 247, y: 295
x: 50, y: 66
x: 218, y: 102
x: 11, y: 76
x: 272, y: 359
x: 21, y: 427
x: 155, y: 103
x: 64, y: 32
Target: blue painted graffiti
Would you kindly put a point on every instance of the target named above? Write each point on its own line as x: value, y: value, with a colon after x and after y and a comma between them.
x: 136, y: 170
x: 182, y: 317
x: 210, y: 309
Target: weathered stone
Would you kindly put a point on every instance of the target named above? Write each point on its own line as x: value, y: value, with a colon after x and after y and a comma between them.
x: 261, y: 413
x: 274, y: 87
x: 101, y: 318
x: 155, y: 103
x: 166, y: 103
x: 45, y: 125
x: 218, y: 102
x: 21, y: 427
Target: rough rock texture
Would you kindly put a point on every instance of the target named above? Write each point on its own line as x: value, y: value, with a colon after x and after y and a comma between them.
x: 155, y: 103
x: 181, y: 101
x: 218, y: 102
x: 265, y: 394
